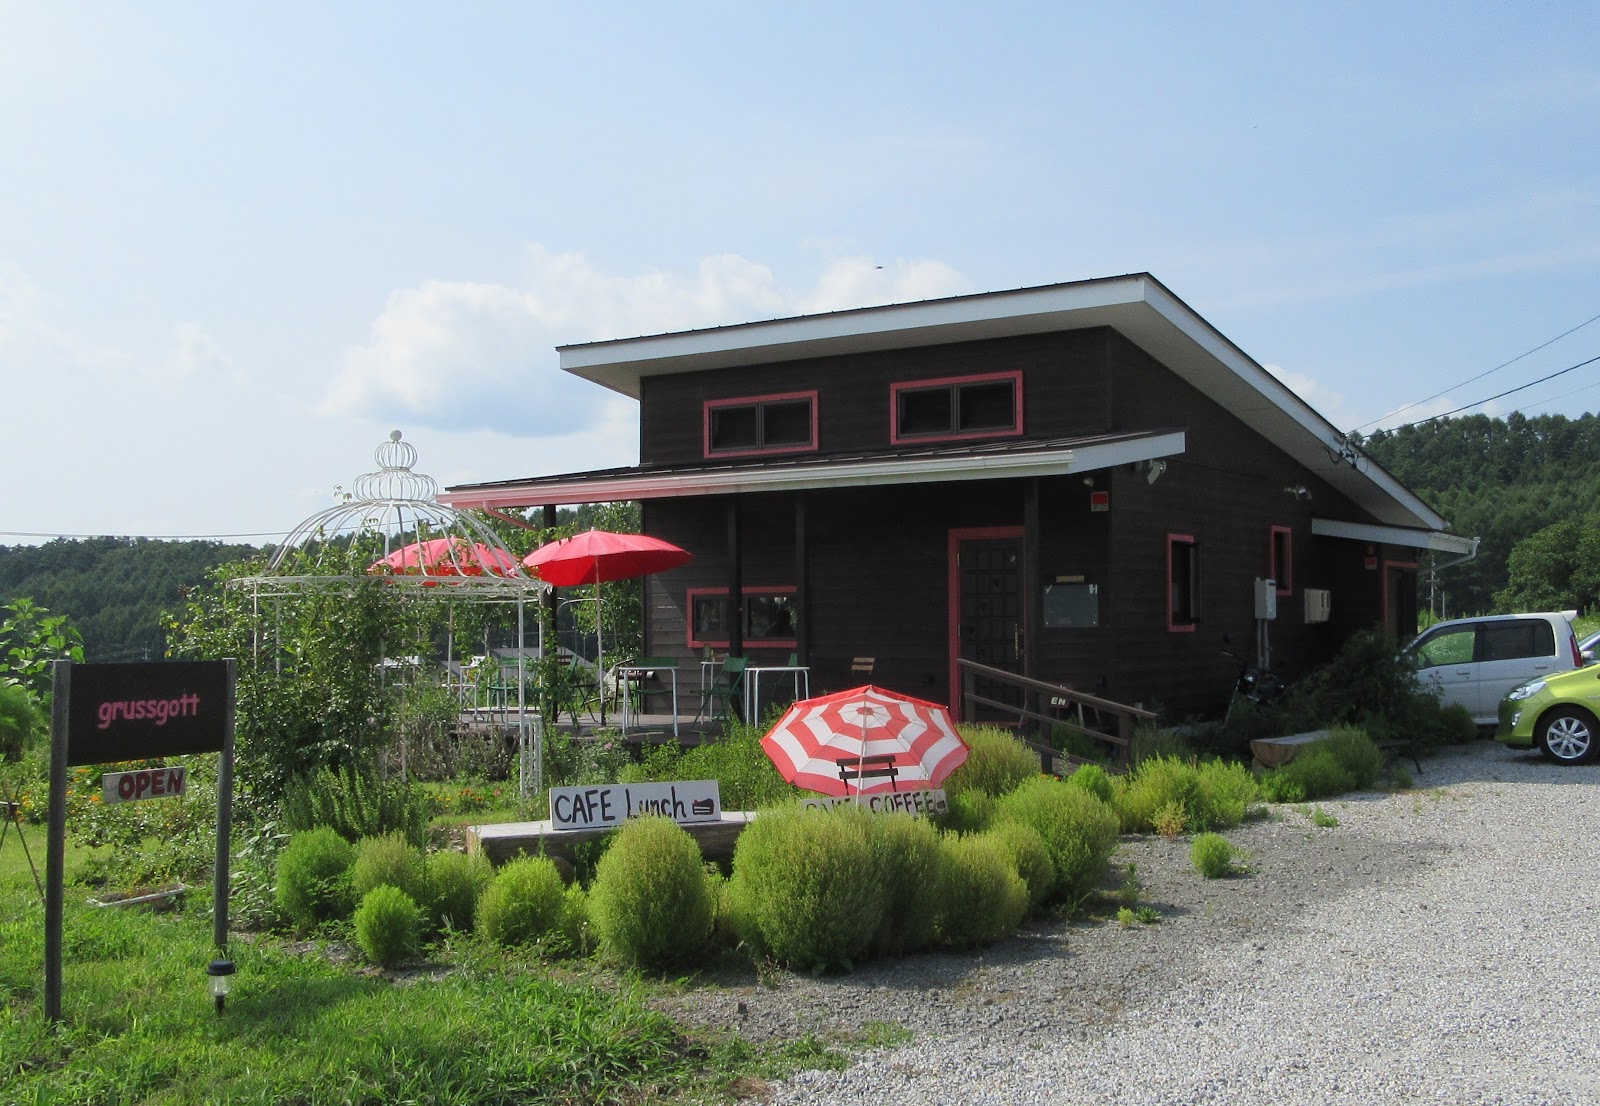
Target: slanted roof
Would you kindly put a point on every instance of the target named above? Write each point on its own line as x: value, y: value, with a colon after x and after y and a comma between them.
x: 1138, y: 306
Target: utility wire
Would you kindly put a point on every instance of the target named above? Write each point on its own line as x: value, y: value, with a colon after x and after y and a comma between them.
x: 147, y: 537
x: 1480, y: 376
x: 1507, y: 392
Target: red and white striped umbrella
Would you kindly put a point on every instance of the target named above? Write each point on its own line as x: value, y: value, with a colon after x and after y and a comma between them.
x: 863, y: 741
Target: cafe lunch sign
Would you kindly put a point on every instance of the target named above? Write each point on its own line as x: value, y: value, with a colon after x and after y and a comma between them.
x: 685, y: 802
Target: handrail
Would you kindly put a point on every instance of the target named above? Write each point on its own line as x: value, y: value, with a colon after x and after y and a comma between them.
x: 1125, y: 715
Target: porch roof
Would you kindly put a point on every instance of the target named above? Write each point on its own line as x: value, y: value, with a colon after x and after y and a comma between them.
x: 927, y: 464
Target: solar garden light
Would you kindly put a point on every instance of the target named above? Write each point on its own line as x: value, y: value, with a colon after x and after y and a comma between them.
x: 220, y: 973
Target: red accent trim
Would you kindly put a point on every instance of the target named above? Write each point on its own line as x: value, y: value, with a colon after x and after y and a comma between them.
x: 896, y: 438
x: 691, y: 594
x: 953, y: 596
x: 750, y: 401
x: 1174, y: 627
x: 1285, y: 581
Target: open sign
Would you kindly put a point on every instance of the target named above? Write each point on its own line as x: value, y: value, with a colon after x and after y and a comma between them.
x: 146, y: 783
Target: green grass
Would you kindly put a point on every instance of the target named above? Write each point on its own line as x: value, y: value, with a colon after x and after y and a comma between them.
x: 139, y: 1025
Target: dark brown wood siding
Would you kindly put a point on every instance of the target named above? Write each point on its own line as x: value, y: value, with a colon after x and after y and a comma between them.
x: 1064, y: 391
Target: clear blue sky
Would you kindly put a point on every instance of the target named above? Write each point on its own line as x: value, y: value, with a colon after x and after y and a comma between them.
x: 239, y: 245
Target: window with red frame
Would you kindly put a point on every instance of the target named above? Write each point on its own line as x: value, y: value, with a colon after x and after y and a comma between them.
x: 769, y: 618
x: 1183, y: 582
x: 1280, y: 563
x: 762, y: 424
x: 958, y: 407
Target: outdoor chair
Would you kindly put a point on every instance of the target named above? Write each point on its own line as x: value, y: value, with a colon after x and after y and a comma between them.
x: 652, y: 683
x: 861, y: 668
x: 576, y: 693
x: 723, y: 698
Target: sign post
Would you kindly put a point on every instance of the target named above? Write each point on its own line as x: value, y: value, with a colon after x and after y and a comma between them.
x: 105, y: 713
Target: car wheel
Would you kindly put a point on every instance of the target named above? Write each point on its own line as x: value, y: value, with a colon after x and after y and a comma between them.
x: 1567, y: 735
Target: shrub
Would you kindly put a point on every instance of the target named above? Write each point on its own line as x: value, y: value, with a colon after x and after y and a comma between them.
x: 1171, y: 820
x: 313, y: 876
x: 1211, y: 855
x: 1353, y: 749
x: 1170, y: 796
x: 574, y: 932
x: 805, y: 887
x: 21, y: 720
x: 455, y: 882
x: 981, y: 896
x: 1093, y: 779
x: 1315, y: 773
x: 1030, y: 857
x: 1371, y: 683
x: 906, y: 854
x: 359, y: 804
x: 1078, y: 830
x: 387, y: 860
x: 746, y: 776
x: 1227, y: 788
x: 1150, y: 740
x: 523, y: 904
x: 971, y: 811
x: 388, y: 923
x: 649, y: 904
x: 996, y: 762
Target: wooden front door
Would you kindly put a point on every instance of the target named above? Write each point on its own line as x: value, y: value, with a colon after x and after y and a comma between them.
x: 986, y: 608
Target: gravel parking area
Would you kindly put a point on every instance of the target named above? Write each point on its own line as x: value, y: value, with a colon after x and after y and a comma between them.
x: 1437, y: 945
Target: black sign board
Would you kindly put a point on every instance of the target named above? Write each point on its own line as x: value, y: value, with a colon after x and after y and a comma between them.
x: 132, y: 711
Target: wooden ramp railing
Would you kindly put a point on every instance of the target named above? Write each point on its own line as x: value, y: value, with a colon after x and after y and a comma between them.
x: 1052, y: 705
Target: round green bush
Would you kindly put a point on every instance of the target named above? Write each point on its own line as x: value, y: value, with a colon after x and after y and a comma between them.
x: 1030, y: 857
x: 649, y: 904
x: 388, y: 860
x: 906, y: 850
x: 971, y: 811
x: 455, y: 881
x: 313, y: 876
x: 996, y: 762
x: 388, y: 925
x: 981, y: 896
x: 1354, y: 750
x: 1156, y: 784
x: 1093, y: 779
x: 523, y: 904
x: 1078, y: 829
x: 1211, y: 855
x: 1227, y: 788
x: 806, y: 890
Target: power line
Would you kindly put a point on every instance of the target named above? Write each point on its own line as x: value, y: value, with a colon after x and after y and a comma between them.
x: 147, y: 537
x: 1507, y: 392
x: 1474, y: 379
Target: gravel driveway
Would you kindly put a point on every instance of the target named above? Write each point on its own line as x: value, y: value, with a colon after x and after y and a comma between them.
x: 1437, y: 945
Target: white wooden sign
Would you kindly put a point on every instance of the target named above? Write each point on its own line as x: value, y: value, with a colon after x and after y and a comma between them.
x: 890, y: 802
x: 146, y: 783
x: 612, y: 804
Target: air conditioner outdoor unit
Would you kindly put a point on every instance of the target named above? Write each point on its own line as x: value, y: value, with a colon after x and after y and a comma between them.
x: 1319, y: 604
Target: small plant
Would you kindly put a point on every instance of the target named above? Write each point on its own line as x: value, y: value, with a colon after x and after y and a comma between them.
x: 1212, y: 855
x: 1170, y: 820
x: 1128, y: 893
x: 1322, y: 819
x: 981, y: 897
x: 1126, y: 917
x: 523, y: 904
x: 996, y: 763
x: 359, y: 803
x: 1402, y: 778
x: 455, y: 881
x: 388, y: 923
x: 1149, y: 915
x: 387, y: 860
x: 1093, y: 779
x: 313, y: 882
x: 649, y: 905
x: 971, y: 811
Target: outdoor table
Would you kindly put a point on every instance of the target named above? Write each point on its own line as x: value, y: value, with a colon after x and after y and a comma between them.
x: 752, y: 685
x: 639, y: 671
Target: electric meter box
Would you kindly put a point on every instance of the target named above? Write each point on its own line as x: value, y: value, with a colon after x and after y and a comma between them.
x: 1266, y: 599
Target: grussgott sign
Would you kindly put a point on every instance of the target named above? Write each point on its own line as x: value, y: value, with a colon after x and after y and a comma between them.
x: 137, y: 711
x: 573, y: 808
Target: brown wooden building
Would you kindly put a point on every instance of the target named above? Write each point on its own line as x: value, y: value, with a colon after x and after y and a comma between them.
x: 1081, y: 483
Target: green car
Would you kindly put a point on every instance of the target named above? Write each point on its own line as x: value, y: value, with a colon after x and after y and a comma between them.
x: 1559, y: 714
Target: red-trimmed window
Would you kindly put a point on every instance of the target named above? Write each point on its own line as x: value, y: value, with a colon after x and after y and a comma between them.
x: 781, y: 423
x: 1183, y: 582
x: 769, y: 618
x: 1280, y: 559
x: 956, y: 407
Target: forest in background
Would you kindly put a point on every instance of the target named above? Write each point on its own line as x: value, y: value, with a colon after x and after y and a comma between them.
x: 1516, y: 480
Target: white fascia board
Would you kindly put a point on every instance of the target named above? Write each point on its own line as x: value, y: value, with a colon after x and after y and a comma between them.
x: 1436, y: 540
x: 919, y: 470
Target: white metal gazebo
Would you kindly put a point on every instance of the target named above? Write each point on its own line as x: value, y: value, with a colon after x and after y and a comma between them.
x: 458, y: 558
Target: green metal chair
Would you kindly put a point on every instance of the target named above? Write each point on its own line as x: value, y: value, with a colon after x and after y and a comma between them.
x: 724, y: 697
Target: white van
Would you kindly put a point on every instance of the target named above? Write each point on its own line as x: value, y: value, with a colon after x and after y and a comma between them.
x: 1475, y: 661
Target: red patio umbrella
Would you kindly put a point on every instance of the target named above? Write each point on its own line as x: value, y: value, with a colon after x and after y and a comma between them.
x: 901, y: 743
x: 446, y: 557
x: 596, y: 556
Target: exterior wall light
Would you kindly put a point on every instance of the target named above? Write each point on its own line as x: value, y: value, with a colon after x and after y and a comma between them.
x: 220, y: 974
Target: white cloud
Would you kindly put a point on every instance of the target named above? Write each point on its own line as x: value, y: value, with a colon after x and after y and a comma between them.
x: 463, y: 356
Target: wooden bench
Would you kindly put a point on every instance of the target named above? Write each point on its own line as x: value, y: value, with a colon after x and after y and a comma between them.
x: 878, y: 766
x: 1274, y: 752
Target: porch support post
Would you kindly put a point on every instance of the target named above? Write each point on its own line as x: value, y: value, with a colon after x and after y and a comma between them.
x: 1032, y: 597
x: 735, y: 581
x: 547, y: 598
x: 802, y: 581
